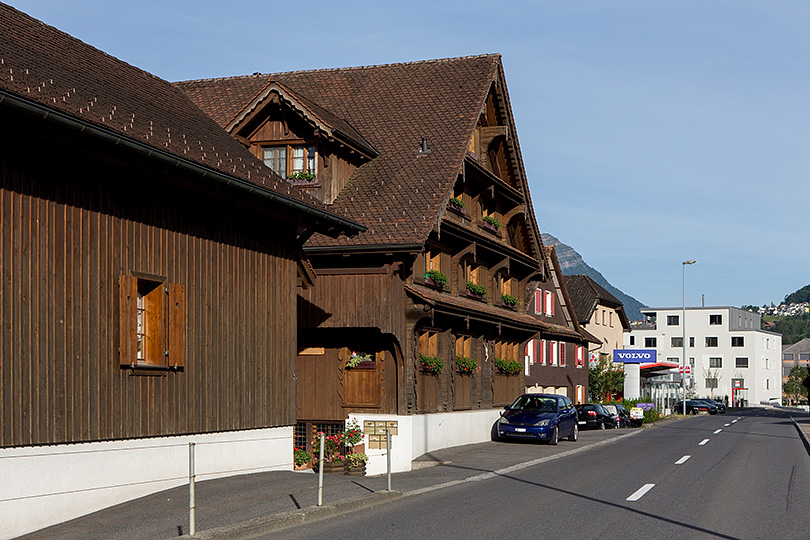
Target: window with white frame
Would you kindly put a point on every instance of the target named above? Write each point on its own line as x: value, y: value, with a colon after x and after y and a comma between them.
x: 676, y: 342
x: 673, y: 320
x: 293, y: 161
x: 650, y: 342
x: 711, y: 341
x: 741, y: 362
x: 715, y: 319
x: 553, y: 353
x: 715, y: 362
x: 737, y: 341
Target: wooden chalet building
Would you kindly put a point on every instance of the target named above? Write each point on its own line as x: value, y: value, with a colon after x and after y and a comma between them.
x: 558, y: 358
x: 149, y: 265
x: 426, y: 156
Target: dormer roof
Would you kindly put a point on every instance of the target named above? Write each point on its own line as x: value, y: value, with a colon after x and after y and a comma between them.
x: 329, y: 124
x: 401, y: 194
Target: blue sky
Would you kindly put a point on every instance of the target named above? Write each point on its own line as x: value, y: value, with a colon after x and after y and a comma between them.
x: 652, y: 132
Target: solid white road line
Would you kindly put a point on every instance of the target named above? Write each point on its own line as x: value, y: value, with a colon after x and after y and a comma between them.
x: 682, y: 460
x: 640, y: 492
x: 716, y: 431
x: 704, y: 441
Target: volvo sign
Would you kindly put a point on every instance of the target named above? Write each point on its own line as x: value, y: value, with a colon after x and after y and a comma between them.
x: 634, y: 356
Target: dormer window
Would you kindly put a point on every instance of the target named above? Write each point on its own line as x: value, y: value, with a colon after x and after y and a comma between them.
x: 301, y: 166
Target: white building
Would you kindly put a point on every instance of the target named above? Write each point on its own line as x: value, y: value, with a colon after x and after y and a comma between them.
x: 728, y: 353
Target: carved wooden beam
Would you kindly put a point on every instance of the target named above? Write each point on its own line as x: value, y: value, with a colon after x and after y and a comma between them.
x: 467, y: 250
x: 503, y: 264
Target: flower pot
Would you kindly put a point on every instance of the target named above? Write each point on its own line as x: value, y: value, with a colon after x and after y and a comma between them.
x: 432, y: 283
x: 335, y: 467
x: 460, y: 209
x: 474, y: 296
x: 357, y: 470
x: 303, y: 466
x: 490, y: 227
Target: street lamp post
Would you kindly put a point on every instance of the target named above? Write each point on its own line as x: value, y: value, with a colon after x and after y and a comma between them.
x: 683, y: 326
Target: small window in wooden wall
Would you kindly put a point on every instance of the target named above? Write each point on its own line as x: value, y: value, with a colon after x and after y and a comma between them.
x: 152, y: 323
x: 294, y: 161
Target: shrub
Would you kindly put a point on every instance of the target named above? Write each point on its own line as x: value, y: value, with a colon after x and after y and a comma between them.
x: 509, y: 299
x: 437, y: 277
x: 475, y: 288
x: 510, y: 367
x: 465, y: 364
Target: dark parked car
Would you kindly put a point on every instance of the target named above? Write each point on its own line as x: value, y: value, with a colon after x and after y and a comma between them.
x: 721, y: 408
x: 695, y: 406
x: 542, y: 417
x: 594, y: 416
x: 622, y: 413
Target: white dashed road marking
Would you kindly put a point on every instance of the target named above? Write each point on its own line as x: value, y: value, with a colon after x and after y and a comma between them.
x: 682, y: 460
x: 640, y: 492
x: 704, y: 441
x: 717, y: 431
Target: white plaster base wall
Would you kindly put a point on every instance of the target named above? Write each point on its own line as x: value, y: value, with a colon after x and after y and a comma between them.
x: 417, y: 435
x: 46, y: 485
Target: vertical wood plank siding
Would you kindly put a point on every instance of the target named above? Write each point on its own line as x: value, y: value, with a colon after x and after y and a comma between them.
x: 63, y: 246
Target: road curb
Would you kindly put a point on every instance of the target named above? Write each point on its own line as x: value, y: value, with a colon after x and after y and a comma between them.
x: 802, y: 434
x: 267, y: 524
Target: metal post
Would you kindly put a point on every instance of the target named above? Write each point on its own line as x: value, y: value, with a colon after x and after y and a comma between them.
x: 683, y: 326
x: 192, y: 525
x: 320, y: 474
x: 388, y: 455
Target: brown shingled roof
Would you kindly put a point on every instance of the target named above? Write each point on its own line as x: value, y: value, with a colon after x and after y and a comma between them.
x: 48, y: 68
x: 586, y: 294
x: 399, y: 195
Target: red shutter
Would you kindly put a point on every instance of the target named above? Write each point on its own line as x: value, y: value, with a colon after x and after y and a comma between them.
x: 538, y: 301
x: 551, y: 294
x: 562, y: 353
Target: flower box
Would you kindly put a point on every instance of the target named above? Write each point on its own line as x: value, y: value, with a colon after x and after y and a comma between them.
x: 456, y: 207
x: 490, y: 227
x: 436, y: 279
x: 429, y: 281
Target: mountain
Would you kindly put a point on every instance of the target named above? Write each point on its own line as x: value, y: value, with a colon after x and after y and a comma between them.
x: 572, y: 264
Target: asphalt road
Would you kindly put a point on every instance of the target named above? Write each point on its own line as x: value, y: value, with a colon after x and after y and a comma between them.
x: 723, y: 476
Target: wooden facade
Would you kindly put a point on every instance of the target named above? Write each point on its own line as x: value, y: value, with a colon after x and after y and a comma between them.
x: 442, y: 188
x: 76, y: 227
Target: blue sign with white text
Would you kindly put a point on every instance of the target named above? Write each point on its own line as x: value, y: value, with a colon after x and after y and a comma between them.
x: 634, y: 356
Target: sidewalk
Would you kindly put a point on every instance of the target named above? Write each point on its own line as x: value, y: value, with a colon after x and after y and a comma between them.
x: 248, y: 505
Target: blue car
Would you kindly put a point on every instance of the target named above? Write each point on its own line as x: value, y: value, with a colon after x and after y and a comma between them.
x: 541, y: 417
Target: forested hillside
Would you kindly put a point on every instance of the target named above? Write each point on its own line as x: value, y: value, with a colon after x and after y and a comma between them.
x: 802, y: 295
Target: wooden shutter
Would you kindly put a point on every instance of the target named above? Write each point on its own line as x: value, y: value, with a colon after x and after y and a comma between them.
x: 553, y: 308
x: 155, y: 326
x: 538, y: 301
x: 177, y: 325
x: 562, y: 353
x: 127, y: 319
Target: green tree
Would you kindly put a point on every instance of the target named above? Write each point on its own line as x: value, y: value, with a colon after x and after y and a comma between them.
x: 794, y: 385
x: 605, y: 379
x: 802, y: 295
